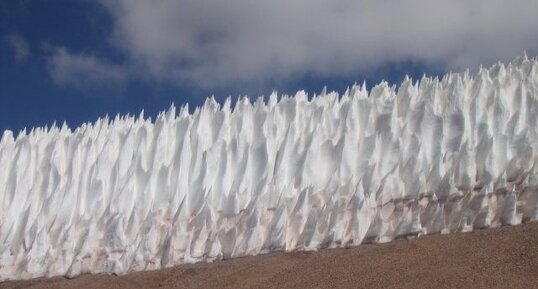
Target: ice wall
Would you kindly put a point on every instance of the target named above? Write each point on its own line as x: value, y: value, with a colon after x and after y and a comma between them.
x: 290, y: 174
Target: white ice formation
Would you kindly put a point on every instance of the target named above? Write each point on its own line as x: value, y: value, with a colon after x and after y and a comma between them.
x: 291, y: 174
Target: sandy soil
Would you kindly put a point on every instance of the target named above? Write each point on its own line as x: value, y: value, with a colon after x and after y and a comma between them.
x: 504, y: 257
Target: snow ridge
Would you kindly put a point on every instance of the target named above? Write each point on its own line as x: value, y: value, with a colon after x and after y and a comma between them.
x: 291, y: 174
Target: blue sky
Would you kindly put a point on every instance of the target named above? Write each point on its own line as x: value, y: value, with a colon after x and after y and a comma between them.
x: 77, y: 60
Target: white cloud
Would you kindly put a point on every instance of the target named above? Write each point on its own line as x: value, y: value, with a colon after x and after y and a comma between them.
x: 20, y: 47
x: 209, y: 43
x: 83, y: 70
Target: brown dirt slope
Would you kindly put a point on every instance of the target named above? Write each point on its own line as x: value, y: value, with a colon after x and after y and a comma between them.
x: 504, y: 257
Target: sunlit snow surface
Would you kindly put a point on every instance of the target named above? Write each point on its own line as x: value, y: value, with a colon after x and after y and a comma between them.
x: 130, y: 194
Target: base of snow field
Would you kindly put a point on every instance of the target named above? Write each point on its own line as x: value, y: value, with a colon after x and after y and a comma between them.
x: 292, y: 173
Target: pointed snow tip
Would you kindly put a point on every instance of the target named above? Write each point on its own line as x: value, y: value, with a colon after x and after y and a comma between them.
x: 302, y: 96
x: 21, y: 134
x: 160, y: 116
x: 273, y: 99
x: 243, y: 100
x: 65, y: 127
x: 520, y: 59
x: 346, y: 92
x: 323, y: 90
x: 171, y: 111
x: 184, y: 110
x: 210, y: 101
x: 407, y: 81
x: 7, y: 136
x: 227, y: 104
x: 260, y: 101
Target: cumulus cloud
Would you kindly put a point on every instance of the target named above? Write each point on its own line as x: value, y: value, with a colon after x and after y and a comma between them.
x: 83, y: 70
x: 20, y: 47
x: 209, y: 43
